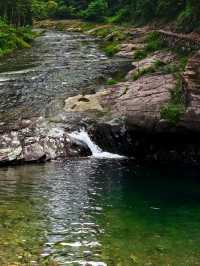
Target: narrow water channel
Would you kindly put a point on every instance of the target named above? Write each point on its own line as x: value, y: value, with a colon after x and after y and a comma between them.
x: 91, y: 211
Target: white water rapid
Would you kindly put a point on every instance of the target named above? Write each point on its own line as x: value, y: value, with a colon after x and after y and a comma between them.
x: 82, y: 137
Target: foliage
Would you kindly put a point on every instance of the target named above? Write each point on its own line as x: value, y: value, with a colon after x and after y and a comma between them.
x: 120, y: 16
x: 173, y: 111
x: 111, y: 49
x: 111, y: 81
x: 12, y: 38
x: 153, y: 43
x: 17, y: 12
x: 186, y: 13
x: 96, y: 10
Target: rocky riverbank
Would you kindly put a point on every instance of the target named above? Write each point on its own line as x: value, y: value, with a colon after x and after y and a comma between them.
x: 151, y: 114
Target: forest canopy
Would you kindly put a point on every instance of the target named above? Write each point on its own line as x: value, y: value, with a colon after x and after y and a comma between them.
x: 185, y: 13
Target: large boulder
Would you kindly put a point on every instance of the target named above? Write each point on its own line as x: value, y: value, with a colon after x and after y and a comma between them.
x: 140, y: 102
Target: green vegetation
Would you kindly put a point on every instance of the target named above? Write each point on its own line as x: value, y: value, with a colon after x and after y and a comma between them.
x: 110, y: 49
x: 174, y: 110
x: 111, y: 81
x: 153, y: 43
x: 96, y: 10
x: 185, y: 13
x: 12, y: 38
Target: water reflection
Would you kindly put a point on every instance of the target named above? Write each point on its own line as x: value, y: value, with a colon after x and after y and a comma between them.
x: 102, y: 211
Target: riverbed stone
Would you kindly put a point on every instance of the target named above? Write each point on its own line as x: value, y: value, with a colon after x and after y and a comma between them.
x: 81, y: 103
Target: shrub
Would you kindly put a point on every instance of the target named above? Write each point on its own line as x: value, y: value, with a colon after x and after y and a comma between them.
x: 154, y: 43
x: 96, y: 10
x: 12, y: 38
x: 111, y: 49
x: 121, y: 15
x: 172, y: 112
x: 111, y: 82
x: 64, y: 11
x: 186, y: 20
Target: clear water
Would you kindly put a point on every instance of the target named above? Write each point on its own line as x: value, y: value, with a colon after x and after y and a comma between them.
x: 36, y: 81
x: 105, y: 211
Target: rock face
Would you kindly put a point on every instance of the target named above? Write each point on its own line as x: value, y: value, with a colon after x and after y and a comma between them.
x: 191, y: 82
x: 140, y: 101
x: 164, y: 57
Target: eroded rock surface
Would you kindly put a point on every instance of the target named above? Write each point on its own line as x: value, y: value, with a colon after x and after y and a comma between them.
x: 160, y: 56
x: 191, y: 80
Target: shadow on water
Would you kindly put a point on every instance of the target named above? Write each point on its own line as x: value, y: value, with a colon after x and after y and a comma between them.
x: 100, y: 210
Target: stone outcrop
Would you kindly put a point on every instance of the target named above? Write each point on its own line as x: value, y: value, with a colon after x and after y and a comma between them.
x: 37, y: 143
x: 161, y: 56
x: 140, y: 102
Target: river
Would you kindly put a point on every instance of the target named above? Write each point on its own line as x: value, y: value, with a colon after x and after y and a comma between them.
x: 34, y: 82
x: 87, y: 211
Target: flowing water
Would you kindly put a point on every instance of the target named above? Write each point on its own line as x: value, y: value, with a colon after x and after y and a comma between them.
x: 36, y: 81
x: 81, y: 137
x: 90, y: 211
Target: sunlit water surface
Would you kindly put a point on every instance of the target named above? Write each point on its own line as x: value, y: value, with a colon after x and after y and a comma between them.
x: 104, y: 211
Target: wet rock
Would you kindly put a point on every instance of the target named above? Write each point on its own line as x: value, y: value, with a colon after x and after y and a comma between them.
x: 33, y: 152
x: 10, y: 147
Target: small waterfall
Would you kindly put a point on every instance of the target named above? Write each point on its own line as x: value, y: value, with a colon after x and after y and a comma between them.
x: 82, y: 137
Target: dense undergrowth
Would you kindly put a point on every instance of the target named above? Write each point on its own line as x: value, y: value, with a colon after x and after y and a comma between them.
x: 12, y: 38
x: 183, y: 14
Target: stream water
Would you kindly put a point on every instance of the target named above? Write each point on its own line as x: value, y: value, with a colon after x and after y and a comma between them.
x: 90, y: 211
x: 36, y: 81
